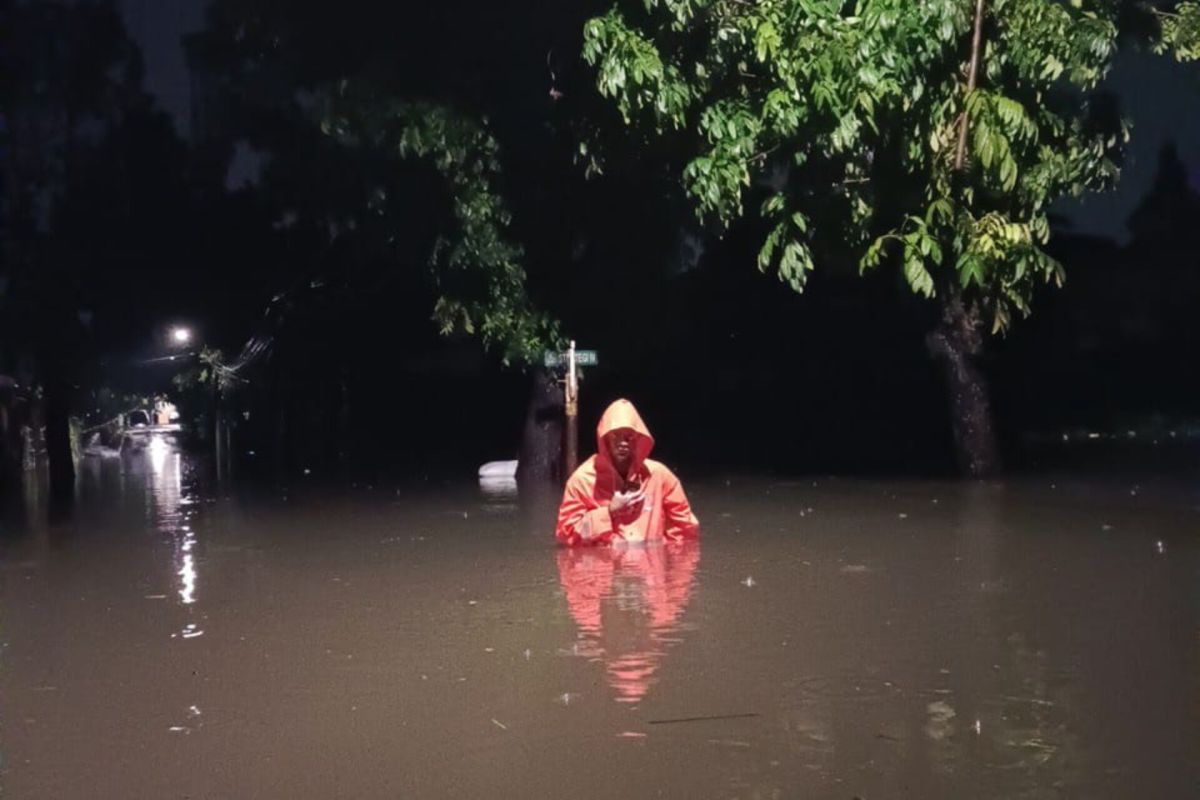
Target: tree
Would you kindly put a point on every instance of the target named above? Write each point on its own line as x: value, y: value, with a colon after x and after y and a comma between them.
x: 476, y: 269
x: 373, y: 169
x: 90, y: 170
x: 284, y: 78
x: 1179, y: 31
x: 933, y: 135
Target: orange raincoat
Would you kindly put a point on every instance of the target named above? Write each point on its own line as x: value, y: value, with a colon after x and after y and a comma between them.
x: 583, y: 517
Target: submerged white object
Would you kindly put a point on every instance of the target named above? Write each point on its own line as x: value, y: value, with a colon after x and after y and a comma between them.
x: 499, y: 489
x: 499, y: 469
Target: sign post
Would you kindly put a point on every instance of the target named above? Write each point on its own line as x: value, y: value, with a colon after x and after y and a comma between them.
x: 572, y: 398
x: 573, y: 360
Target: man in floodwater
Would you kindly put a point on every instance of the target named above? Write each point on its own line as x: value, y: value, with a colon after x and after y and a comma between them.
x: 620, y: 495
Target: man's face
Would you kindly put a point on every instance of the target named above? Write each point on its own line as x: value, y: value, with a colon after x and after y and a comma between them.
x: 620, y: 446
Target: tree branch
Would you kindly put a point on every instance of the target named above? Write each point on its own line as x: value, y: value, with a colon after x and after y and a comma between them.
x: 972, y: 76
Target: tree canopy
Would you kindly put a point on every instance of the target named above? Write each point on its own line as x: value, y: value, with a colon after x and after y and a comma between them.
x: 936, y: 133
x: 475, y: 268
x: 282, y: 82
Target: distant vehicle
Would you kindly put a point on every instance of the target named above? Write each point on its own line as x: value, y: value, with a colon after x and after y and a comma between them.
x: 142, y: 423
x: 132, y: 430
x: 137, y: 428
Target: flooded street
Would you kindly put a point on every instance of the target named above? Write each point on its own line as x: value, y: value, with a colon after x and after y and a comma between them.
x: 823, y: 639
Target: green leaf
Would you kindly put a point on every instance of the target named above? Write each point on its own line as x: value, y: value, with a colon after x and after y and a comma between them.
x: 773, y: 205
x: 766, y: 40
x: 916, y: 274
x: 873, y: 255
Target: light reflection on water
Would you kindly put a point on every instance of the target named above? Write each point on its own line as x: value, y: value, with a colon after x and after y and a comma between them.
x: 499, y: 490
x: 158, y: 451
x: 187, y: 572
x: 627, y: 603
x: 168, y: 512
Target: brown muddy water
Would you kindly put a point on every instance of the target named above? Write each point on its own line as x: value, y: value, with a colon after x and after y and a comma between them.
x: 825, y: 639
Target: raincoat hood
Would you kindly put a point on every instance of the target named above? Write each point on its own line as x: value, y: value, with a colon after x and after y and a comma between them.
x: 586, y: 515
x: 622, y: 414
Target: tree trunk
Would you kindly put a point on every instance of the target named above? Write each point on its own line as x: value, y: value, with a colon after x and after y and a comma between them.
x: 59, y: 454
x: 11, y: 453
x: 542, y: 439
x: 957, y: 343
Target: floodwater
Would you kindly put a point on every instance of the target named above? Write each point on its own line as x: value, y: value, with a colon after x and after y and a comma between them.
x: 825, y: 639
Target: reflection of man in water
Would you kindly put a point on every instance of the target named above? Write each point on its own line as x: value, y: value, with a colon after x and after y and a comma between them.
x: 627, y: 602
x: 620, y: 494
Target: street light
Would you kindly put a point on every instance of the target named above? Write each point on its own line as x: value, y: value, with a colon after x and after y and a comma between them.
x: 181, y: 335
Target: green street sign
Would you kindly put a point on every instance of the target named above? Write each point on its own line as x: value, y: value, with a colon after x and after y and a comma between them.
x: 583, y: 358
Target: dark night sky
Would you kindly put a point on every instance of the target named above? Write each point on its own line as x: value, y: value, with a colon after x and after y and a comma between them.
x: 1157, y: 94
x: 158, y: 27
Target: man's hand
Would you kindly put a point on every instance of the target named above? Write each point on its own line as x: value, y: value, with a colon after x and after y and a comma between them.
x: 627, y: 506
